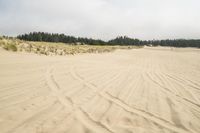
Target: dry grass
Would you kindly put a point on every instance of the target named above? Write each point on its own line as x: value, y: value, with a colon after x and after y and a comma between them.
x: 47, y: 48
x: 8, y: 44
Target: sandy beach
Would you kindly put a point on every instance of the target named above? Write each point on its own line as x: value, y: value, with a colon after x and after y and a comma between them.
x: 147, y: 90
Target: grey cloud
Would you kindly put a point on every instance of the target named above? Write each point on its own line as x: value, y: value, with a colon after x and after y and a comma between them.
x: 105, y: 19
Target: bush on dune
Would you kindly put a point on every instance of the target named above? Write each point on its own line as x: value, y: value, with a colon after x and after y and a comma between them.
x: 11, y: 47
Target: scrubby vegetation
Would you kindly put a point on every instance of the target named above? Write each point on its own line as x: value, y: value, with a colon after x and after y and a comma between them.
x: 9, y: 45
x: 122, y: 40
x: 52, y: 48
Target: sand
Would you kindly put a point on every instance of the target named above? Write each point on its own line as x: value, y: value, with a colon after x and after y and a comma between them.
x: 148, y: 90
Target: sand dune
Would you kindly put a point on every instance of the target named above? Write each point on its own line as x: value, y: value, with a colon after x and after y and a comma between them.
x: 149, y: 90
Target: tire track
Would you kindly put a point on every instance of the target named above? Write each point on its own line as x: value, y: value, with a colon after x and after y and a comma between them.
x: 139, y: 112
x: 28, y: 98
x: 80, y: 114
x: 176, y: 96
x: 29, y: 119
x: 187, y: 91
x: 178, y: 79
x: 20, y: 92
x: 75, y: 75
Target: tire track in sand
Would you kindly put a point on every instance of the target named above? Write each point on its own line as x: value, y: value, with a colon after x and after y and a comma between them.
x: 176, y: 96
x: 126, y: 107
x: 82, y: 116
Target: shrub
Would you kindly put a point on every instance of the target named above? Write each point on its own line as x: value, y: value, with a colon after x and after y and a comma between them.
x: 12, y: 47
x: 6, y: 47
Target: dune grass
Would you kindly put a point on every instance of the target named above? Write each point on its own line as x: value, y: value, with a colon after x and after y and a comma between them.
x: 8, y: 44
x: 48, y: 48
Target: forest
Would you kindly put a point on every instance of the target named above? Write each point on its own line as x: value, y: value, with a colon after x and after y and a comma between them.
x: 121, y: 40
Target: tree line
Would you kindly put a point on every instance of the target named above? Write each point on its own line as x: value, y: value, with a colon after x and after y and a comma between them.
x: 121, y: 40
x: 51, y: 37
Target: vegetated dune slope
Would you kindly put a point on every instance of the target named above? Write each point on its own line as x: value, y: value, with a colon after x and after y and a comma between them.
x: 149, y: 90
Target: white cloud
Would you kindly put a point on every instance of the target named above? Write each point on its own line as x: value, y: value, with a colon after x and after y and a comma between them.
x: 106, y: 19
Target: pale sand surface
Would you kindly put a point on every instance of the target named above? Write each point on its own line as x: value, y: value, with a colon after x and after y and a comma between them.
x: 148, y: 90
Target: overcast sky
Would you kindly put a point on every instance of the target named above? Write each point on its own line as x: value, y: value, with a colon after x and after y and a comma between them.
x: 104, y: 19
